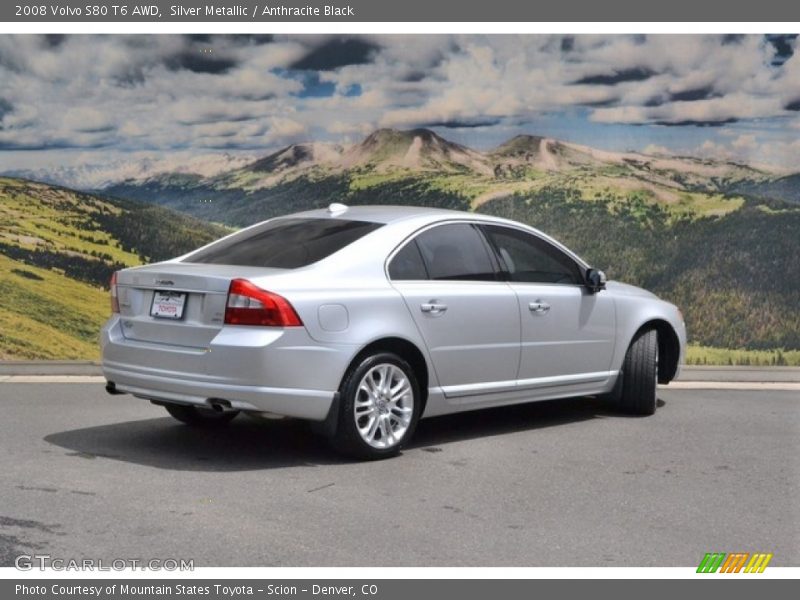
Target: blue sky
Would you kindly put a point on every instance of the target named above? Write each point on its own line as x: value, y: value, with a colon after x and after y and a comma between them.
x: 117, y: 106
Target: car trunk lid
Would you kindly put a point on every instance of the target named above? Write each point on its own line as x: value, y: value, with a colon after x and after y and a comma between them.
x: 179, y: 304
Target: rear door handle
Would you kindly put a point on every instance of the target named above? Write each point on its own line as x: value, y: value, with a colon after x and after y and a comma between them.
x: 433, y: 307
x: 539, y: 307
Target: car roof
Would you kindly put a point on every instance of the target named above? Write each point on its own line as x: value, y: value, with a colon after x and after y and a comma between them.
x: 411, y: 216
x: 391, y: 214
x: 418, y: 216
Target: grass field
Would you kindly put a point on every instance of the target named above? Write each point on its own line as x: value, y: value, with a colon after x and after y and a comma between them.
x: 703, y: 355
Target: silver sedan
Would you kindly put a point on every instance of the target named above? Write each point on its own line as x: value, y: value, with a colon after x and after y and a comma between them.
x: 366, y: 319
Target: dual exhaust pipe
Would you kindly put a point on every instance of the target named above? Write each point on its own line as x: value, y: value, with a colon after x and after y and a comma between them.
x: 215, y: 404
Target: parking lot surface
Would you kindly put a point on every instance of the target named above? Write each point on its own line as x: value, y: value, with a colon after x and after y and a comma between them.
x: 567, y: 483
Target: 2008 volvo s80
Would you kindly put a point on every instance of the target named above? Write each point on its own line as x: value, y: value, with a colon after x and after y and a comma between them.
x: 366, y: 319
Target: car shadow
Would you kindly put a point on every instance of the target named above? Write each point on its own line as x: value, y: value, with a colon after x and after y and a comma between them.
x: 245, y: 444
x: 256, y: 444
x: 509, y: 419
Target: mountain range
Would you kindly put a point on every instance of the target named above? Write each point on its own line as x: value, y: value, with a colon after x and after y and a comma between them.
x: 429, y: 167
x: 92, y: 175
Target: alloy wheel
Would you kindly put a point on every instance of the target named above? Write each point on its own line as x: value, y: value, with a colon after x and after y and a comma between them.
x: 383, y: 406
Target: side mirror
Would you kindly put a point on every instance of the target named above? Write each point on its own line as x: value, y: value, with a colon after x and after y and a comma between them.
x: 595, y: 280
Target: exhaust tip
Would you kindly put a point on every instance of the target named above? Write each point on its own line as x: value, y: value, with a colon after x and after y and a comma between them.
x: 220, y: 406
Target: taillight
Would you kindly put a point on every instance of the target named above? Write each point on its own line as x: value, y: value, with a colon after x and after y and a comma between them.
x: 113, y: 288
x: 248, y: 304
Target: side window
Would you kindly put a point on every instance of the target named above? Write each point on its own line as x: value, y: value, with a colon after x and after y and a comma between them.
x: 530, y: 259
x: 407, y: 264
x: 456, y: 251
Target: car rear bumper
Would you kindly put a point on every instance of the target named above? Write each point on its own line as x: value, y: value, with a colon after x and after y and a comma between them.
x: 280, y: 371
x: 290, y: 402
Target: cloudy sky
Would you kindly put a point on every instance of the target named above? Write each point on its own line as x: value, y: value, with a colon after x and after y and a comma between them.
x: 116, y: 103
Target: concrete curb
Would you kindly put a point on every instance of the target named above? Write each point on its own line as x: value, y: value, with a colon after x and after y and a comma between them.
x: 750, y: 386
x: 741, y: 373
x: 49, y: 367
x: 52, y: 379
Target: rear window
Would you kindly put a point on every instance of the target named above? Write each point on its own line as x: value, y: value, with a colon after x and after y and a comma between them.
x: 284, y: 243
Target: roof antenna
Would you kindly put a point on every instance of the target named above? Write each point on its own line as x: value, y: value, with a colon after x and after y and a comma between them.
x: 336, y: 208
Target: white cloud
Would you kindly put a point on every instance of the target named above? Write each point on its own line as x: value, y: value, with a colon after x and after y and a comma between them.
x: 167, y: 94
x: 765, y: 151
x: 285, y: 128
x: 86, y: 119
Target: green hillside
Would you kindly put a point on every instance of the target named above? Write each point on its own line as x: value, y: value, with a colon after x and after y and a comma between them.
x: 58, y: 249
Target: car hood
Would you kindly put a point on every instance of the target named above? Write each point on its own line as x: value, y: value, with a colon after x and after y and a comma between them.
x: 624, y: 289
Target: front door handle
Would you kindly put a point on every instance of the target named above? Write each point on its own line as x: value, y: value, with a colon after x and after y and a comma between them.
x: 538, y: 307
x: 433, y: 307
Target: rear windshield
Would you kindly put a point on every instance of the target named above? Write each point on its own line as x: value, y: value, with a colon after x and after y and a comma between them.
x: 284, y: 243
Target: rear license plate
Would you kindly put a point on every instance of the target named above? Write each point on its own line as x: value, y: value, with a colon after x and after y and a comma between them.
x: 168, y: 305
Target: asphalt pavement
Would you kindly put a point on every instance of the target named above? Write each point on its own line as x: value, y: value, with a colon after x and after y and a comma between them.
x: 567, y: 483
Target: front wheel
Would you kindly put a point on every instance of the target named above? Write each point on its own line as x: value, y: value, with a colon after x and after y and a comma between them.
x: 379, y: 407
x: 200, y: 417
x: 640, y: 375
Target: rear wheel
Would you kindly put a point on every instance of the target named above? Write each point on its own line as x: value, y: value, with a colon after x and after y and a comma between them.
x: 639, y: 376
x: 379, y: 407
x: 200, y: 417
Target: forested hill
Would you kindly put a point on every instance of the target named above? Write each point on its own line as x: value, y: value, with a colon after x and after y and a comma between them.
x: 736, y: 276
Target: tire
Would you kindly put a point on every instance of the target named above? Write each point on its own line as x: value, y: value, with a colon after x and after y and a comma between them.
x: 367, y: 411
x: 639, y: 376
x: 200, y: 417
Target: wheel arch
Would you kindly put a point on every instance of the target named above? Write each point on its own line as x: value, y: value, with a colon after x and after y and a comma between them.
x: 669, y: 348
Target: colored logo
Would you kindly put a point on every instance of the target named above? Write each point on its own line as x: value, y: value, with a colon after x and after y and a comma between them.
x: 737, y: 562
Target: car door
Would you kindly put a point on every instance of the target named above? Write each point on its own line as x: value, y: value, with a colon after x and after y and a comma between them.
x: 468, y: 317
x: 568, y: 332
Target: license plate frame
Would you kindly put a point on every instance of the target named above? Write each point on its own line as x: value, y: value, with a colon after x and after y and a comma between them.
x: 167, y: 304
